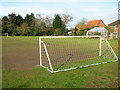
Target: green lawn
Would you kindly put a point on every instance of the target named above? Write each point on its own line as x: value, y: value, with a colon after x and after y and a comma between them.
x: 101, y: 76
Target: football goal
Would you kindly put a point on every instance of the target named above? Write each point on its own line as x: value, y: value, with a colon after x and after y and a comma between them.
x: 62, y: 53
x: 4, y: 34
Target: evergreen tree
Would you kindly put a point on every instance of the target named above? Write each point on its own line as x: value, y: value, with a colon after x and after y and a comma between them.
x: 29, y: 19
x: 19, y: 20
x: 5, y: 24
x: 12, y: 24
x: 57, y: 22
x: 59, y: 26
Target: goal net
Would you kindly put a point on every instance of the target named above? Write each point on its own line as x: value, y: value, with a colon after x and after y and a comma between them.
x: 61, y: 53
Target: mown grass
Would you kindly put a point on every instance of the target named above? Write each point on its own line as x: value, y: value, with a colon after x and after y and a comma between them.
x: 81, y: 63
x: 101, y: 76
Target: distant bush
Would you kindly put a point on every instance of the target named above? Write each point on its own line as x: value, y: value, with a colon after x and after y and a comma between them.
x: 81, y: 32
x: 97, y: 33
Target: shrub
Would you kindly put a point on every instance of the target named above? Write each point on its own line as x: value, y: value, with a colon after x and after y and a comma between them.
x: 97, y: 33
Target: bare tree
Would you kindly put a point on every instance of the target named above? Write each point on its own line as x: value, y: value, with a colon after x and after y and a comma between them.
x: 83, y: 21
x: 39, y: 19
x: 48, y: 21
x: 67, y: 18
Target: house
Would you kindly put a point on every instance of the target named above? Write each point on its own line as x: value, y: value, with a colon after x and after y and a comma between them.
x: 95, y: 23
x: 99, y: 31
x: 91, y: 24
x: 79, y: 27
x: 116, y: 26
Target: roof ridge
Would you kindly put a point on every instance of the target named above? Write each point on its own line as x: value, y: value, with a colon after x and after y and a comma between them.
x: 96, y: 20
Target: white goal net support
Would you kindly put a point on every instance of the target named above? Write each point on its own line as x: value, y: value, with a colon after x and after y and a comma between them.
x: 62, y: 53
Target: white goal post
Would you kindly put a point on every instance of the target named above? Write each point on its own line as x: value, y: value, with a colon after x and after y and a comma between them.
x: 53, y: 47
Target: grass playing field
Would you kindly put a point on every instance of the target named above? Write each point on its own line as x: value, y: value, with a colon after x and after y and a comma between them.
x: 21, y: 55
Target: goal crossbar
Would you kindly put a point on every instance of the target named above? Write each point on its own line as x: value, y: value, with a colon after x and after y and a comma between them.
x: 67, y: 36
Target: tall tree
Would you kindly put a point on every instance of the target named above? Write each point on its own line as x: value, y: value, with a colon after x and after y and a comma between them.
x: 48, y: 21
x: 5, y: 24
x: 12, y: 18
x: 12, y: 24
x: 19, y: 20
x: 29, y: 19
x: 39, y: 19
x: 67, y: 18
x: 26, y: 20
x: 57, y: 22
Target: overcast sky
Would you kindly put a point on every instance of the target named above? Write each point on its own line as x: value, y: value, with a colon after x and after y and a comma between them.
x: 107, y: 10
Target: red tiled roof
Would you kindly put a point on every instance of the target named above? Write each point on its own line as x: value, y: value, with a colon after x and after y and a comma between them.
x: 90, y: 24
